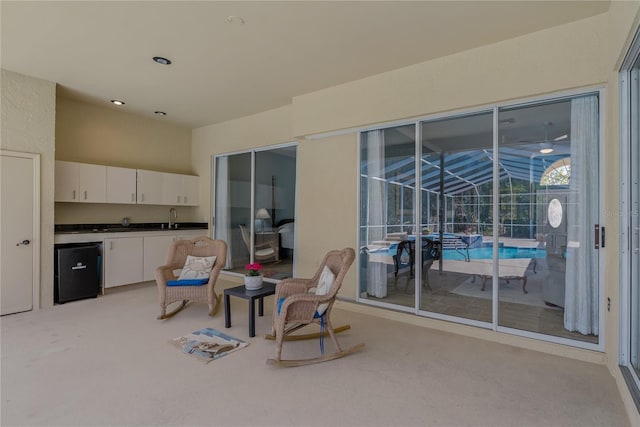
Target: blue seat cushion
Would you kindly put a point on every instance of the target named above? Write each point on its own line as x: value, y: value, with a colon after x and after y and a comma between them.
x: 316, y: 315
x: 188, y: 282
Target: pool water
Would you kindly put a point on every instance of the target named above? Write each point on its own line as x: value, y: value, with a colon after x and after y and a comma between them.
x: 504, y: 252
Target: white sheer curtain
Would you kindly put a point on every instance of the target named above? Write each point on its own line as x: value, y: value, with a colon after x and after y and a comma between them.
x: 376, y: 210
x: 581, y: 284
x: 222, y: 225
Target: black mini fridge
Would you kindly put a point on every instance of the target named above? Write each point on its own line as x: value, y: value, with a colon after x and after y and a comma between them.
x: 77, y: 272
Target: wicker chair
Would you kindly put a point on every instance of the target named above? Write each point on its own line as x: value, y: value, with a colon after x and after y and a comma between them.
x: 264, y: 251
x: 176, y: 257
x: 296, y: 307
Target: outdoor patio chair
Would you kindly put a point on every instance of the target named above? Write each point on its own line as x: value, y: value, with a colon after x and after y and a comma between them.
x: 199, y: 261
x: 431, y: 251
x: 296, y: 305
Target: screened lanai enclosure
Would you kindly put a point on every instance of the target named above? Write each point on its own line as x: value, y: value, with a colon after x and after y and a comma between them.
x: 487, y: 218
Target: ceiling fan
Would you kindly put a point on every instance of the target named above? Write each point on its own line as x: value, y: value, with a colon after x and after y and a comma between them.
x: 547, y: 146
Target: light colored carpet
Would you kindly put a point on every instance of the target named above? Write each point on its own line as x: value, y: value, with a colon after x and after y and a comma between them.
x: 507, y: 292
x: 106, y: 362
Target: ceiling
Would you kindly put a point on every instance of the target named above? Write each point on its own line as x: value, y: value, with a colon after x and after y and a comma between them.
x: 98, y: 51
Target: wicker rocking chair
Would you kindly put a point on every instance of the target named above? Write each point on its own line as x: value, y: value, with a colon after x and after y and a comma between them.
x: 171, y: 290
x: 295, y: 307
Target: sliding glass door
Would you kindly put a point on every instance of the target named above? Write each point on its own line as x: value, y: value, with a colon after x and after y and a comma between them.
x: 634, y: 282
x: 630, y: 220
x: 233, y: 205
x: 457, y: 175
x: 497, y: 222
x: 254, y: 207
x: 549, y: 235
x: 387, y: 197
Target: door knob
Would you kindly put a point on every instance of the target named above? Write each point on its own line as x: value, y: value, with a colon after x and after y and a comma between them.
x: 24, y: 242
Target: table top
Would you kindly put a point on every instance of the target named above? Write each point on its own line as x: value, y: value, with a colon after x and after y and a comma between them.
x: 242, y: 292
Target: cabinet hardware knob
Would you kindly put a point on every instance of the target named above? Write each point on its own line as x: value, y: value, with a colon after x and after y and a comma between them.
x: 24, y: 242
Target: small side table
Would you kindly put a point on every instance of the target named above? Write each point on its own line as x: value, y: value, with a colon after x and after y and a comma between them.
x: 242, y: 292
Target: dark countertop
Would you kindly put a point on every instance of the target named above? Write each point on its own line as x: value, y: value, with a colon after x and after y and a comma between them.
x: 118, y: 228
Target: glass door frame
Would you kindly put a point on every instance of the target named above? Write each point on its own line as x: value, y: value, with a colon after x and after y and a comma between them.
x: 626, y: 221
x: 494, y: 325
x: 600, y: 346
x: 252, y: 152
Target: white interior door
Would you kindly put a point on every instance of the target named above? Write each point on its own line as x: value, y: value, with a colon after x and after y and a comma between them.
x: 18, y: 226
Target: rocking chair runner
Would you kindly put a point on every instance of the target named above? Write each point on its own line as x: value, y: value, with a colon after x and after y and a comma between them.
x: 296, y: 307
x: 176, y: 258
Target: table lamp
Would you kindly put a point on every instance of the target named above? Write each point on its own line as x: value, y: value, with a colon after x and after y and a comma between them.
x: 262, y: 214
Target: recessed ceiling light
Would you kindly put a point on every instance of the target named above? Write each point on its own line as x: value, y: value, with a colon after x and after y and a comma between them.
x: 160, y: 113
x: 162, y: 61
x: 233, y: 19
x: 117, y: 102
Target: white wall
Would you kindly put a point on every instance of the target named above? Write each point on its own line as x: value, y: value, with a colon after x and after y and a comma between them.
x: 259, y: 130
x: 89, y: 133
x: 27, y: 123
x: 559, y: 58
x: 582, y: 54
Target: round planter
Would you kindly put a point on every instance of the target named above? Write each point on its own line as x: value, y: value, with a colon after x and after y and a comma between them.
x: 253, y: 283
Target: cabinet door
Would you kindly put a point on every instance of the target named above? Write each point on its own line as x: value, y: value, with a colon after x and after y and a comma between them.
x: 93, y: 183
x: 190, y: 190
x: 172, y: 189
x: 123, y: 261
x: 155, y: 253
x: 67, y: 179
x: 149, y: 187
x: 121, y: 185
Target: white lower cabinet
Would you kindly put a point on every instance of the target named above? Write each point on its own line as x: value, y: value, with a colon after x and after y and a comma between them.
x: 123, y: 261
x: 155, y: 253
x: 157, y: 247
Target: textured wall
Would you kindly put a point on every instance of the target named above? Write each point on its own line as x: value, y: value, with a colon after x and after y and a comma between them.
x: 27, y: 123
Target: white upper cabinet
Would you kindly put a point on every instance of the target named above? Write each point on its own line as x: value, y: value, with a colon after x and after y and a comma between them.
x: 171, y: 189
x: 191, y: 190
x: 80, y: 182
x: 150, y: 187
x: 85, y: 183
x: 179, y: 189
x: 121, y: 185
x: 67, y: 178
x: 93, y: 183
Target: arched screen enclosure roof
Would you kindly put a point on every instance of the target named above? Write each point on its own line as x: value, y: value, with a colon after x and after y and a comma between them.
x: 467, y: 170
x: 456, y: 145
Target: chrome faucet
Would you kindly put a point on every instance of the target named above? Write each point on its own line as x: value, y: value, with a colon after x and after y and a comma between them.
x: 173, y: 216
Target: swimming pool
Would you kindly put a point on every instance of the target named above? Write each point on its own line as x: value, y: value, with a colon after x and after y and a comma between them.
x: 504, y: 252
